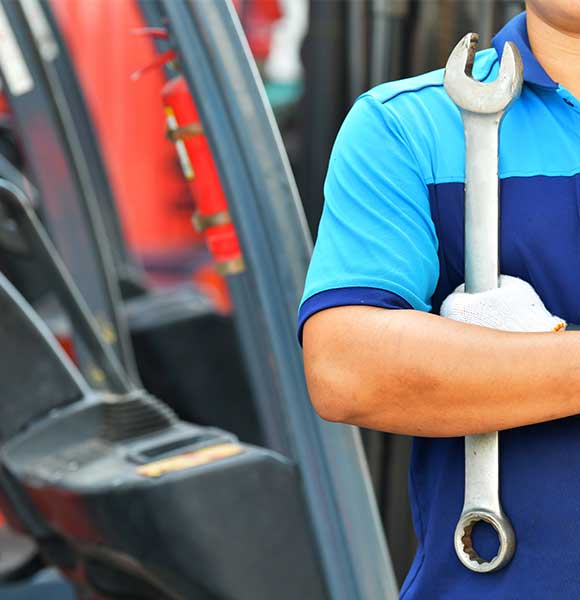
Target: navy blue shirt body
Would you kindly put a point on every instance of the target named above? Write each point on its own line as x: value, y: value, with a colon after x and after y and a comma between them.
x: 392, y: 235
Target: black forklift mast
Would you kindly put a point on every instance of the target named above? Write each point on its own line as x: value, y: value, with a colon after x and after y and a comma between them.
x: 59, y: 167
x: 266, y: 211
x: 248, y: 321
x: 81, y: 137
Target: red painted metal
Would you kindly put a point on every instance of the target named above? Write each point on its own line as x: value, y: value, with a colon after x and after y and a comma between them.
x: 211, y: 207
x: 258, y: 17
x: 152, y: 197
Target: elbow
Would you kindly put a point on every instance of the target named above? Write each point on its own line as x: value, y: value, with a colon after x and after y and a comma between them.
x: 328, y: 383
x: 345, y: 401
x: 335, y: 396
x: 328, y: 392
x: 328, y: 407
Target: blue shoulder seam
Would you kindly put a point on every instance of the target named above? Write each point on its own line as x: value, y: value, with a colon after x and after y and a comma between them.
x: 429, y: 80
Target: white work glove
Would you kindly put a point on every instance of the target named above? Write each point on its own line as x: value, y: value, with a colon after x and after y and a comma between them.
x: 514, y: 306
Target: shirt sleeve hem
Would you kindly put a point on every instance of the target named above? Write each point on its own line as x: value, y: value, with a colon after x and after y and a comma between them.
x: 348, y: 296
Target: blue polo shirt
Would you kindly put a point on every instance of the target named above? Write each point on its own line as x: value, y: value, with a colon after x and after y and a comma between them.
x: 392, y: 236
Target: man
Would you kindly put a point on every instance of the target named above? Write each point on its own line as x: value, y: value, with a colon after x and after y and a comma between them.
x: 390, y: 250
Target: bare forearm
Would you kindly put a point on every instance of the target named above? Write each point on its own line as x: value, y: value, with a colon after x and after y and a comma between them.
x: 415, y: 373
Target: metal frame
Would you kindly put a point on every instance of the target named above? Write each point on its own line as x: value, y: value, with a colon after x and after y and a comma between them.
x: 22, y: 372
x: 82, y: 135
x: 326, y: 99
x: 357, y: 55
x: 249, y: 324
x: 60, y: 167
x: 266, y: 211
x: 33, y: 242
x: 387, y: 23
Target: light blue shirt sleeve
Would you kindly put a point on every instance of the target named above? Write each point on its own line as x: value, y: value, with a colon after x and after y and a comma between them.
x: 376, y: 230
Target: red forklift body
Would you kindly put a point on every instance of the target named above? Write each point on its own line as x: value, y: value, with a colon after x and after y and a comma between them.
x: 153, y: 201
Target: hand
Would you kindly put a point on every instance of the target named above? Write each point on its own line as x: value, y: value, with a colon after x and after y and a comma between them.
x: 514, y: 306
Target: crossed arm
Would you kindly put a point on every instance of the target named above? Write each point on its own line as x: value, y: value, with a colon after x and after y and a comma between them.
x: 415, y: 373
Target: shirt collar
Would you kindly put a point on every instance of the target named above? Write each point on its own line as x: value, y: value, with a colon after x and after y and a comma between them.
x: 516, y: 31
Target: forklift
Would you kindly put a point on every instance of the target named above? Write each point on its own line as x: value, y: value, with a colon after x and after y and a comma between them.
x: 122, y: 491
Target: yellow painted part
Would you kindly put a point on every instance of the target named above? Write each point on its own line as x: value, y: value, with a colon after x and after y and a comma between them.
x: 181, y: 462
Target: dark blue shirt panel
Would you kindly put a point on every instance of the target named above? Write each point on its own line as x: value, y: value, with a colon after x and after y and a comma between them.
x: 540, y: 243
x: 539, y: 474
x: 539, y: 238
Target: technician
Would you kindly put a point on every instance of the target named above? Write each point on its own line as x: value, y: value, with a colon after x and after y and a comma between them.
x: 390, y: 251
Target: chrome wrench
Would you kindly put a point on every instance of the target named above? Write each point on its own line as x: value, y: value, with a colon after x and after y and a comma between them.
x: 482, y: 107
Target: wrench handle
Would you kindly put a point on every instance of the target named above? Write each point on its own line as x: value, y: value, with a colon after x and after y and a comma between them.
x: 482, y: 471
x: 482, y: 213
x: 481, y: 201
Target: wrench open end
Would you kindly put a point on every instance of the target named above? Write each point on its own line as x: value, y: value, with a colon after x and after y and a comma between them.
x: 475, y: 96
x: 463, y: 55
x: 469, y: 556
x: 511, y: 71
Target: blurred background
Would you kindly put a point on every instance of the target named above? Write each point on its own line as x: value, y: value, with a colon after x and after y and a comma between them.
x: 162, y: 190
